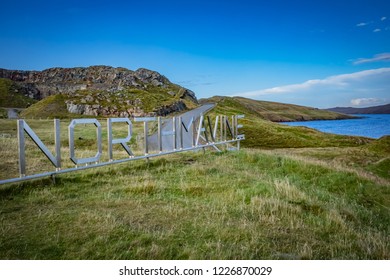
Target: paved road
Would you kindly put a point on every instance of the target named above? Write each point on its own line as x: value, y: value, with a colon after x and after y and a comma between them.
x: 168, y: 140
x: 12, y: 113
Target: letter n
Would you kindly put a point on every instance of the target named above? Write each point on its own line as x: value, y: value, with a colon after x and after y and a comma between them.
x: 24, y: 127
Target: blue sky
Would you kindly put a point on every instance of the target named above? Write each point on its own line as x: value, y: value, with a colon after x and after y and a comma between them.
x: 315, y: 53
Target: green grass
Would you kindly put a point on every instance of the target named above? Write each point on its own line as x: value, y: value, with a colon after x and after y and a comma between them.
x: 262, y: 133
x: 53, y: 104
x: 84, y: 138
x: 144, y: 99
x: 274, y: 111
x: 373, y: 158
x: 327, y: 198
x: 11, y: 96
x: 51, y: 107
x: 233, y: 205
x: 3, y: 113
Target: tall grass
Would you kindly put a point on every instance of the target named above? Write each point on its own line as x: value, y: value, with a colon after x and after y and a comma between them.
x: 308, y: 203
x: 84, y: 138
x: 232, y: 205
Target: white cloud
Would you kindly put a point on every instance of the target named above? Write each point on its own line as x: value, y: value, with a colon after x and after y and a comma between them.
x: 332, y: 91
x: 361, y: 24
x: 376, y: 58
x: 383, y: 18
x: 366, y: 101
x: 338, y: 81
x: 377, y: 30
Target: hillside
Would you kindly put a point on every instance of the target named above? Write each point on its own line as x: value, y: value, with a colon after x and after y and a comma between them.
x: 260, y: 132
x: 328, y: 199
x: 383, y: 109
x: 13, y: 96
x: 51, y: 107
x: 278, y: 112
x: 248, y: 204
x: 103, y: 90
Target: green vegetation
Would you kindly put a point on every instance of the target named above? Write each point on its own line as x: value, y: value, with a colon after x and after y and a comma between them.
x: 234, y: 205
x: 85, y: 143
x: 51, y: 107
x: 373, y: 158
x: 154, y: 97
x: 262, y: 133
x: 328, y: 198
x: 10, y: 96
x: 273, y: 111
x: 3, y: 113
x: 148, y: 100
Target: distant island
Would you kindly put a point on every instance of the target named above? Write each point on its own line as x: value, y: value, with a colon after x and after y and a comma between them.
x: 383, y: 109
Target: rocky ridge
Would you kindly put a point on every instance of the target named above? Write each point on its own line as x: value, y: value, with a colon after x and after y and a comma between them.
x: 105, y: 90
x: 381, y: 109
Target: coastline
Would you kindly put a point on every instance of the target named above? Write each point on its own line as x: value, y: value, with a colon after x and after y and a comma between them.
x: 364, y: 125
x: 308, y: 119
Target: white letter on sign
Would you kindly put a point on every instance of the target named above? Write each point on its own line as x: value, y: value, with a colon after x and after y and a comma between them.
x: 121, y: 141
x: 71, y: 127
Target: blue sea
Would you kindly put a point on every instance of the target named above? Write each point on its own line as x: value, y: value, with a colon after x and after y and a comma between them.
x: 370, y: 125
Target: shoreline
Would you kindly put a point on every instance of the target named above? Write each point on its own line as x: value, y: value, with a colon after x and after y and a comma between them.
x: 365, y: 125
x: 303, y: 119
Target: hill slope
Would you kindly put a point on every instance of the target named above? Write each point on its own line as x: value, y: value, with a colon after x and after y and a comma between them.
x: 383, y: 109
x: 249, y: 204
x: 279, y: 112
x: 104, y: 90
x: 13, y: 96
x: 261, y: 132
x: 53, y: 106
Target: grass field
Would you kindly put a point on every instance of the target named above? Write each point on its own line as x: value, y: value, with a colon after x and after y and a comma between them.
x: 267, y: 202
x: 234, y: 205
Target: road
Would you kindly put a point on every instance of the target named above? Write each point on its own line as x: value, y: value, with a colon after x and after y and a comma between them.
x: 168, y: 140
x: 12, y: 113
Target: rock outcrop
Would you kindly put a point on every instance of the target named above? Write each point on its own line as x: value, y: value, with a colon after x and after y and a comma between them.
x: 83, y: 86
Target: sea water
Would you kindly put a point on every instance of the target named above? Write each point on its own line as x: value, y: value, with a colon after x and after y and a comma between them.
x: 368, y: 125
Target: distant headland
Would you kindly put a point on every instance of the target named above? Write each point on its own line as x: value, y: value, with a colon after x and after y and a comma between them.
x: 382, y: 109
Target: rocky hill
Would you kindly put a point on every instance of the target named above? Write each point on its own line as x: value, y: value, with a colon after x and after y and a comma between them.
x: 102, y: 90
x: 382, y: 109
